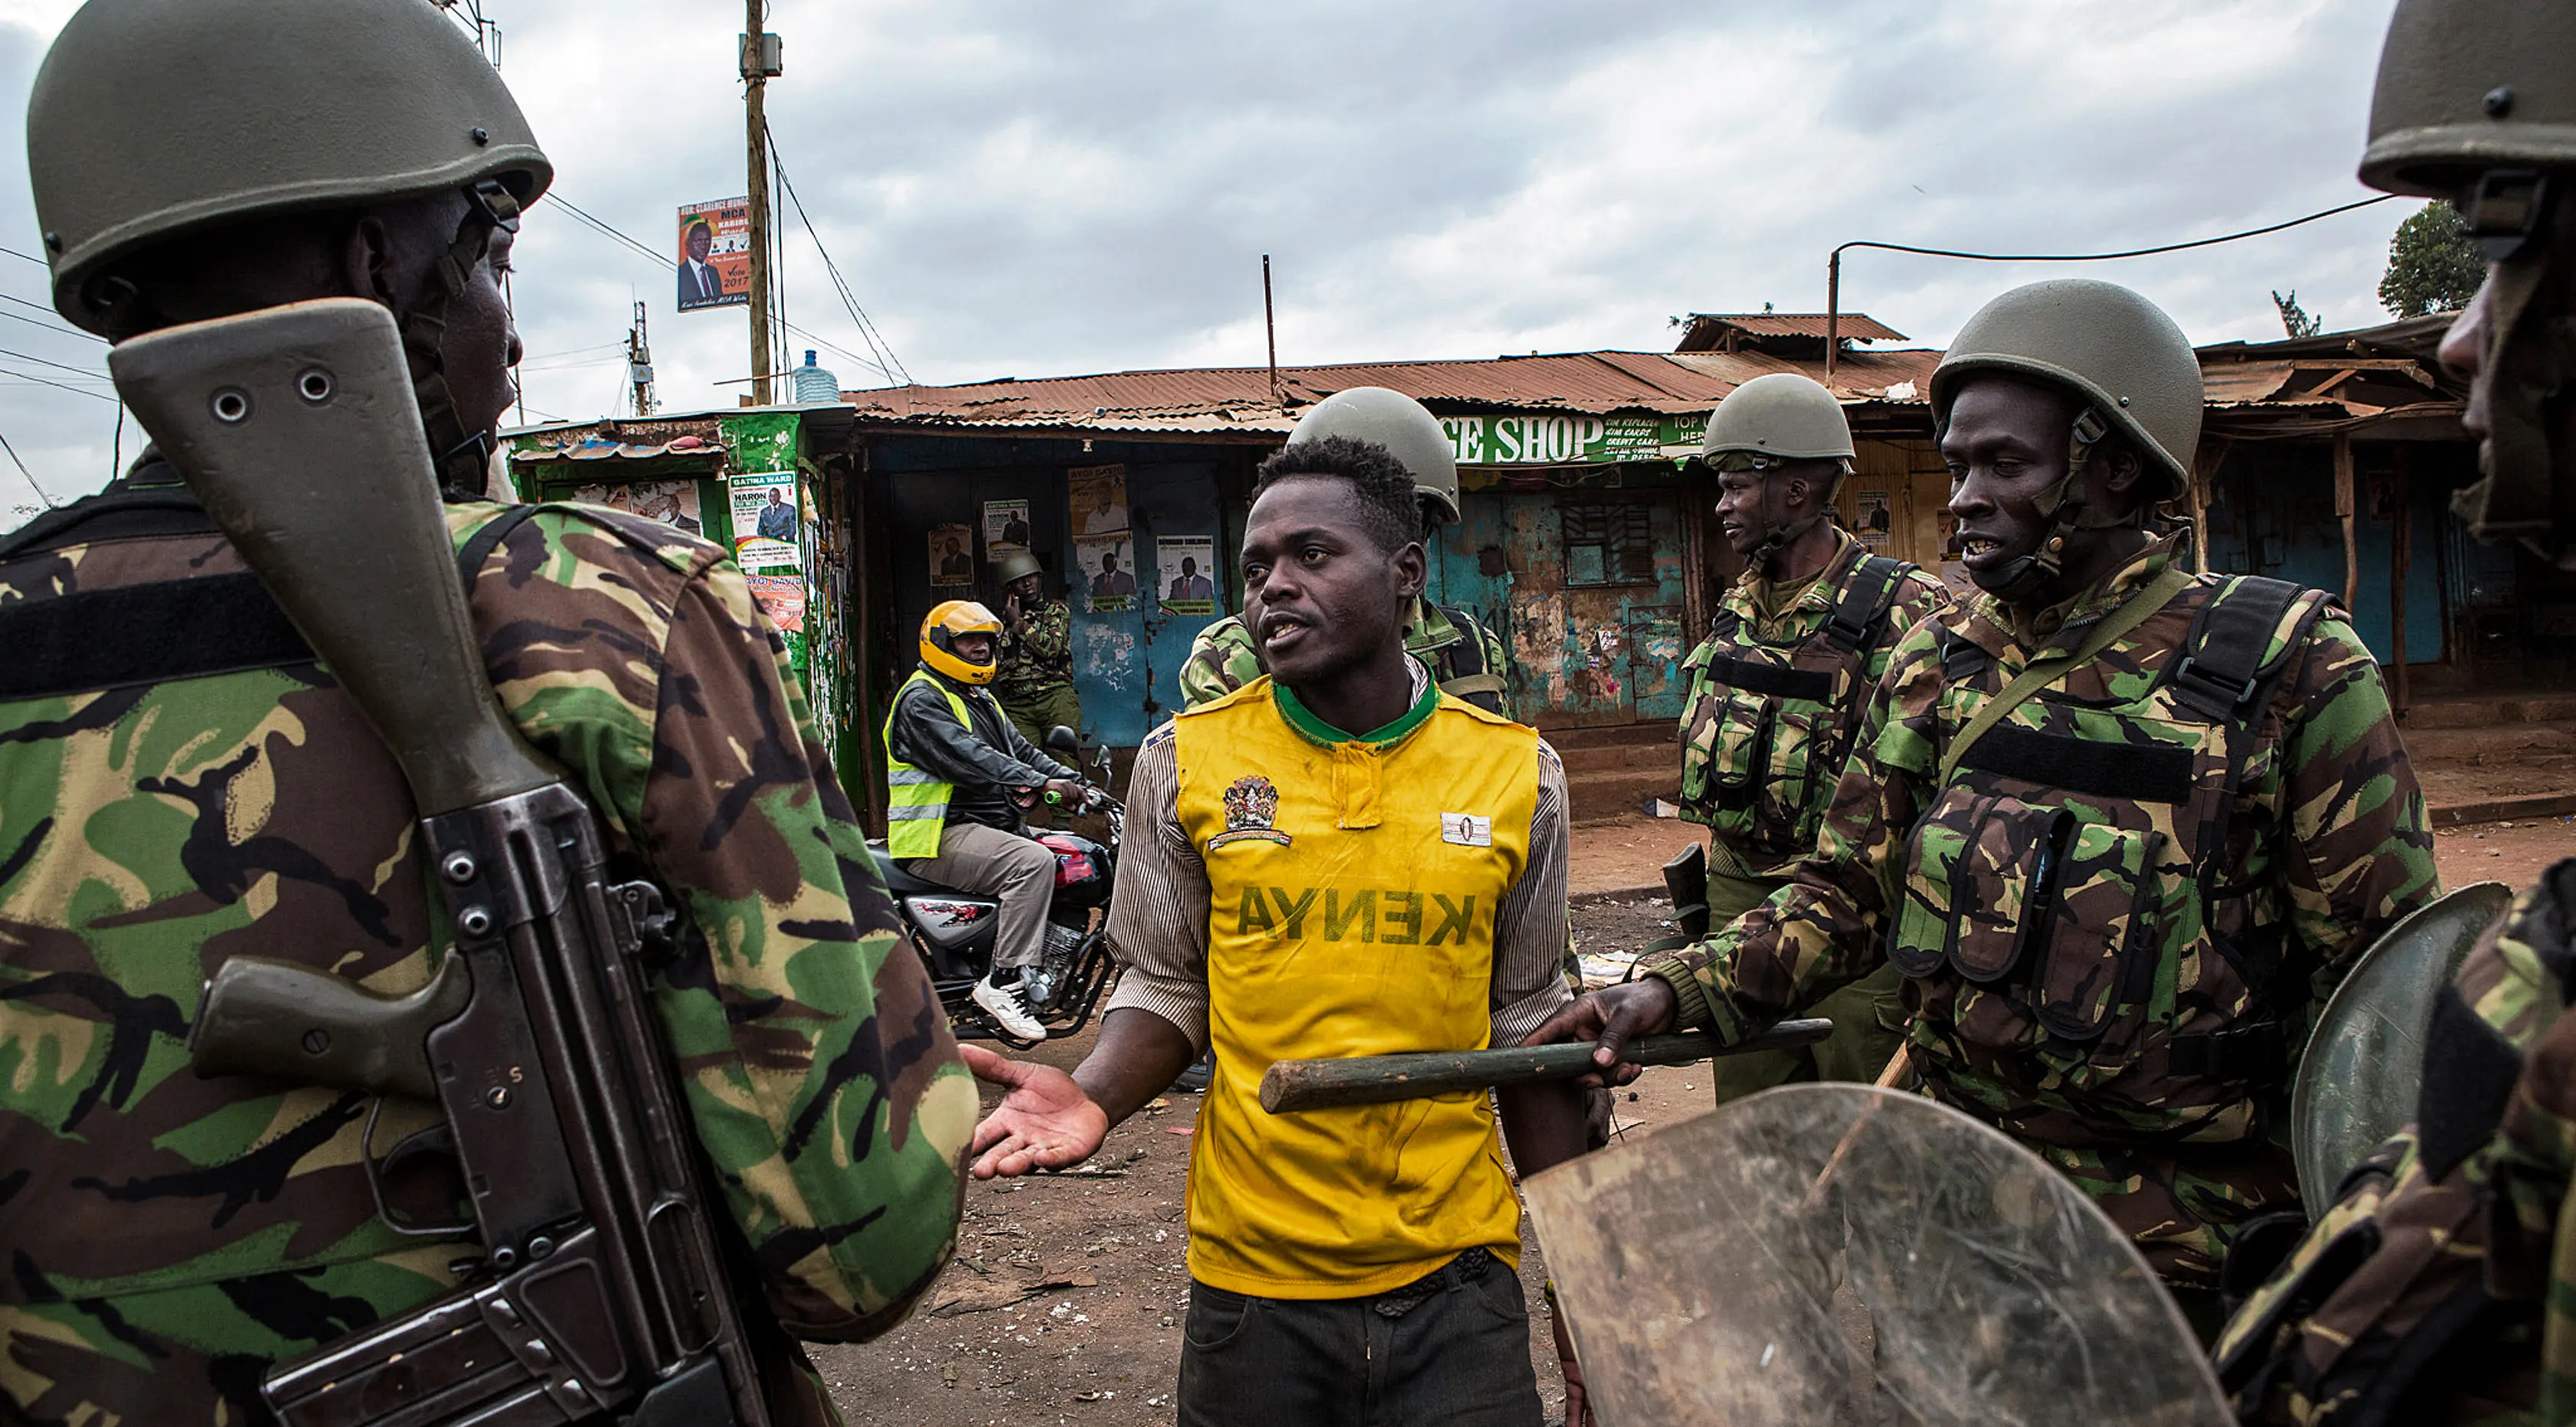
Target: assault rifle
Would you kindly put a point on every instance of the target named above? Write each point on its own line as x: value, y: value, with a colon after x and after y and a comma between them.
x: 600, y: 1293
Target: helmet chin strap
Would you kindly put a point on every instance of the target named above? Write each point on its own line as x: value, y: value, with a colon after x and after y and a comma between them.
x: 1779, y: 534
x: 2067, y: 511
x: 2530, y: 360
x: 463, y: 459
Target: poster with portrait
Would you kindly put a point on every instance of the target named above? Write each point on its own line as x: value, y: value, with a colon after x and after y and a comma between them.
x: 1871, y: 520
x: 782, y: 598
x: 952, y: 559
x: 715, y: 254
x: 1186, y: 573
x: 1006, y: 528
x: 1105, y: 572
x: 674, y: 503
x: 765, y: 519
x: 1096, y: 496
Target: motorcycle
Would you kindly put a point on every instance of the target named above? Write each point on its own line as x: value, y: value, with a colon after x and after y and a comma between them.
x: 953, y: 931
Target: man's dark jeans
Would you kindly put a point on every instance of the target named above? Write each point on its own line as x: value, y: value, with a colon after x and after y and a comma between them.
x: 1459, y: 1354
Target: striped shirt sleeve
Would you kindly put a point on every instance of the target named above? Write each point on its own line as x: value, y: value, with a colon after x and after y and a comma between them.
x: 1529, y: 928
x: 1158, y: 910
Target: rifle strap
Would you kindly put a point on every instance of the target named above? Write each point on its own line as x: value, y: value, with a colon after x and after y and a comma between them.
x: 479, y: 546
x: 2135, y: 611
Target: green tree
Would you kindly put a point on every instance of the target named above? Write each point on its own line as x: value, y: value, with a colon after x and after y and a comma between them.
x: 2297, y: 320
x: 2432, y: 264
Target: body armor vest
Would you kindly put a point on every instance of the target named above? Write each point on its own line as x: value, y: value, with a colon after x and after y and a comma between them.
x: 2067, y: 920
x: 1767, y: 726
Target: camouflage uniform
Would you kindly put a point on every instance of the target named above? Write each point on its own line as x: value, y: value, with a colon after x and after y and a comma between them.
x: 1035, y: 681
x: 1223, y: 658
x: 170, y: 1237
x: 2439, y: 1286
x: 1759, y: 767
x: 2185, y: 934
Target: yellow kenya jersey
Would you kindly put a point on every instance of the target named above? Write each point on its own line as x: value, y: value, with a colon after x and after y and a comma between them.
x: 1353, y: 890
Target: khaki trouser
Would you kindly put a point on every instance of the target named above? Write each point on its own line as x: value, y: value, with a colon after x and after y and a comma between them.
x: 1868, y: 1015
x: 994, y: 863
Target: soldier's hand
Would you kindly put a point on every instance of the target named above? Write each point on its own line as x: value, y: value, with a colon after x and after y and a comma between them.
x: 1612, y: 1017
x: 1045, y: 1122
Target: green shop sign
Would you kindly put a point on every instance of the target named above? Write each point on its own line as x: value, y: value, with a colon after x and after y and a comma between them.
x: 1537, y: 439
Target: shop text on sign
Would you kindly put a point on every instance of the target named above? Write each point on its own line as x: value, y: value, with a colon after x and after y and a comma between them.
x: 1531, y: 439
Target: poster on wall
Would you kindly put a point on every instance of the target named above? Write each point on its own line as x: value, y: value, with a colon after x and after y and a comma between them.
x: 952, y: 557
x: 782, y: 598
x: 1953, y: 569
x: 1871, y: 521
x: 715, y: 254
x: 1107, y: 573
x: 1097, y: 498
x: 1006, y: 528
x: 674, y: 503
x: 1187, y: 573
x: 764, y: 519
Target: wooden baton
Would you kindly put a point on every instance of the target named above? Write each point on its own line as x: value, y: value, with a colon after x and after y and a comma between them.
x: 1292, y: 1085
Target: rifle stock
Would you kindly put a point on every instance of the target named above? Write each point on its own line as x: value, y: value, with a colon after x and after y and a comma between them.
x: 296, y: 427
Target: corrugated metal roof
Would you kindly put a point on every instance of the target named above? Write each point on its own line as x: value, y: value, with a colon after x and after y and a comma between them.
x: 1221, y: 399
x: 1706, y: 327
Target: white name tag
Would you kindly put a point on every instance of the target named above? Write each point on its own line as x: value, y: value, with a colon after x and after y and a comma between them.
x: 1466, y: 829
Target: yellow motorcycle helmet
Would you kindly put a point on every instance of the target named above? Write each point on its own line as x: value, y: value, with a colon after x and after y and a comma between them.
x: 939, y: 632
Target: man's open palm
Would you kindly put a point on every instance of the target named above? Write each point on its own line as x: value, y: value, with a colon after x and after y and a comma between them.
x: 1045, y: 1122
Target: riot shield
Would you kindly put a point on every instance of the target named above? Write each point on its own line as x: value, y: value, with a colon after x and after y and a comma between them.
x: 1842, y: 1254
x: 2364, y: 1063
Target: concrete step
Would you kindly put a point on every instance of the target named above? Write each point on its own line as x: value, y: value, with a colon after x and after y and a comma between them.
x: 1615, y: 795
x: 1613, y: 735
x: 2487, y: 712
x: 2490, y: 742
x: 1597, y: 759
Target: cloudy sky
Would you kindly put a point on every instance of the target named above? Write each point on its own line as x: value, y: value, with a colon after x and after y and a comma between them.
x: 1022, y: 188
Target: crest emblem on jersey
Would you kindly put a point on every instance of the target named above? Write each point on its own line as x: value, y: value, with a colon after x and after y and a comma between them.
x: 1251, y: 805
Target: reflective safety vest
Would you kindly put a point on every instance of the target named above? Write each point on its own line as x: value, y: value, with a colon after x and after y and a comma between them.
x: 917, y: 799
x: 1767, y: 726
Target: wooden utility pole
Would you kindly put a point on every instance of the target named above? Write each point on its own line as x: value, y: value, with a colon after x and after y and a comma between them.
x: 1270, y: 325
x: 2343, y: 495
x: 755, y: 84
x: 639, y: 363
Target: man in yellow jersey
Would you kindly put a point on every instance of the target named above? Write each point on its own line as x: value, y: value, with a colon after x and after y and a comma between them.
x: 1291, y: 888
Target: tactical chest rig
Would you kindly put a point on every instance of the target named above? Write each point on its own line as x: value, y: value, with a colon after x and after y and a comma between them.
x: 2087, y: 965
x: 1769, y: 725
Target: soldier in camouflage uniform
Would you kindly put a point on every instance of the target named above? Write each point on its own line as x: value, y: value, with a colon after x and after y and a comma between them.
x: 1452, y: 643
x: 1035, y: 682
x: 1777, y: 687
x: 2441, y: 1286
x: 2120, y: 828
x: 181, y: 783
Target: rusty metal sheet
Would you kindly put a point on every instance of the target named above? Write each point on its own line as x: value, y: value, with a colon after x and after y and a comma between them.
x: 1707, y: 327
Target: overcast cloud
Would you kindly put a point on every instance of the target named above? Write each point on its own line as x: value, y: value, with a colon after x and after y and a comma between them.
x: 1016, y: 188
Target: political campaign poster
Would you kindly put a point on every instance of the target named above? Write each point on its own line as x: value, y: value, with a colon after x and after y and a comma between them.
x: 674, y: 503
x: 764, y: 519
x: 1097, y: 498
x: 715, y: 254
x: 1187, y: 573
x: 952, y: 557
x: 1106, y: 573
x: 1006, y: 528
x: 1870, y: 519
x: 782, y: 598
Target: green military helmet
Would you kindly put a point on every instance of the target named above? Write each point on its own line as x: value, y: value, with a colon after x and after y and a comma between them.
x: 2471, y: 85
x: 151, y: 119
x: 1405, y: 427
x: 1017, y: 566
x: 1783, y: 415
x: 2113, y: 348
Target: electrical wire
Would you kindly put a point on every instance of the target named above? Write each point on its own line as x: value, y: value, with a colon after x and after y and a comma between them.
x: 2105, y: 257
x: 57, y: 325
x: 30, y: 475
x: 91, y: 373
x: 13, y: 252
x: 887, y: 364
x: 47, y: 381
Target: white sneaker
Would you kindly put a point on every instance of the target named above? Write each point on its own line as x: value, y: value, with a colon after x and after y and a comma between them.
x: 1009, y: 1005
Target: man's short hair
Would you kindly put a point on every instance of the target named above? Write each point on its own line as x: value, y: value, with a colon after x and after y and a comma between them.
x: 1384, y: 487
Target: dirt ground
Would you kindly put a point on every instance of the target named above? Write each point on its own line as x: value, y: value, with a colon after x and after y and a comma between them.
x: 1065, y: 1302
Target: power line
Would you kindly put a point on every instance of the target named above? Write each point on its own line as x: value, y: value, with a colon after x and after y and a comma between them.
x: 47, y: 381
x: 90, y: 372
x: 13, y: 252
x: 887, y: 364
x: 2104, y: 257
x: 22, y: 470
x: 49, y: 312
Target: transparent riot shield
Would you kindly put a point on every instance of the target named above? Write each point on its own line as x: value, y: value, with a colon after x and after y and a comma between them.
x: 1837, y: 1254
x: 2364, y: 1063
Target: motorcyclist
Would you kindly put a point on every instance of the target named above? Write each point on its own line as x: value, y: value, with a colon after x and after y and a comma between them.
x: 959, y: 778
